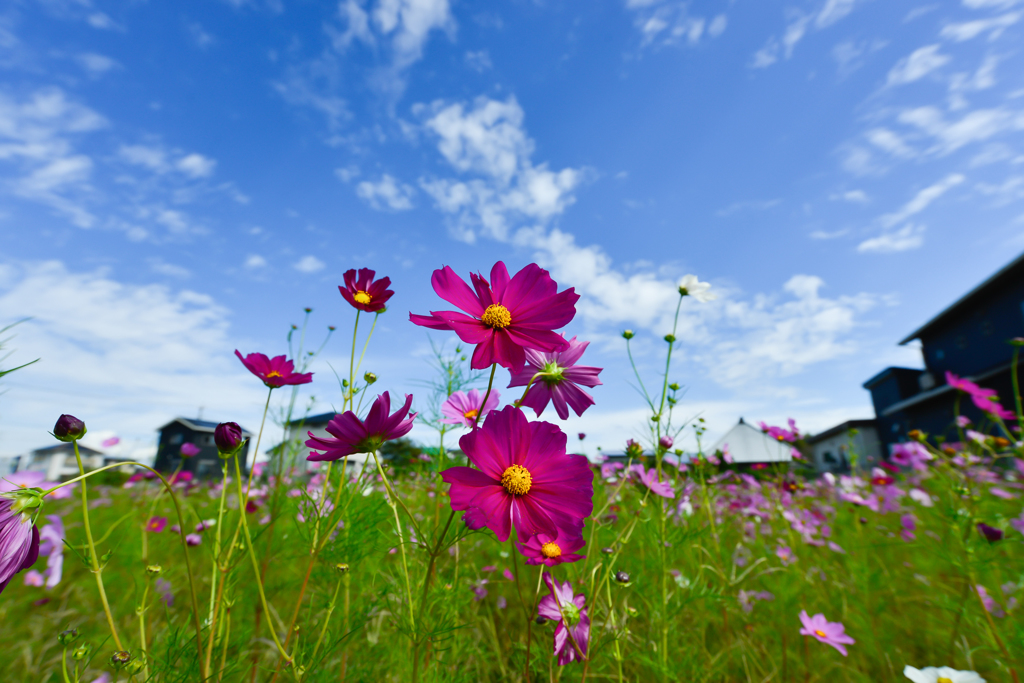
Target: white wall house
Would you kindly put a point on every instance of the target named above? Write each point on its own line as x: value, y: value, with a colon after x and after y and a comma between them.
x: 836, y: 449
x: 748, y: 444
x: 58, y: 462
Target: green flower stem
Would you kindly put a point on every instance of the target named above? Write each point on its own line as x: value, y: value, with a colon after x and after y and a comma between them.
x: 225, y: 640
x: 64, y: 665
x: 252, y: 556
x: 93, y: 559
x: 214, y: 592
x: 351, y: 365
x: 527, y: 389
x: 426, y: 587
x: 327, y: 619
x: 490, y: 383
x: 256, y: 453
x: 142, y: 631
x: 401, y: 542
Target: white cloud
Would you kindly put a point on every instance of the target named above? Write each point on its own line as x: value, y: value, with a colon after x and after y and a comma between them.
x: 101, y: 21
x: 96, y: 64
x: 309, y: 264
x: 669, y: 23
x: 906, y: 238
x: 976, y: 126
x: 126, y: 358
x: 891, y: 142
x: 161, y: 267
x: 347, y: 173
x: 921, y: 200
x: 255, y: 261
x: 153, y: 158
x: 972, y: 29
x: 1009, y: 191
x: 196, y: 165
x: 717, y: 26
x: 833, y: 11
x: 962, y: 83
x: 478, y: 61
x: 767, y: 55
x: 386, y: 193
x: 487, y: 140
x: 852, y: 196
x: 799, y: 23
x: 917, y: 65
x: 995, y: 4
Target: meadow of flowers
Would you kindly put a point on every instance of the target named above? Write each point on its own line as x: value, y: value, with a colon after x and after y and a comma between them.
x: 499, y: 554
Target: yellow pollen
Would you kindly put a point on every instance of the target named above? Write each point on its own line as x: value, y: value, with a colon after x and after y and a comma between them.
x: 550, y: 550
x: 361, y: 297
x: 496, y: 317
x: 273, y: 373
x: 820, y: 634
x: 943, y: 679
x: 517, y: 480
x: 471, y: 413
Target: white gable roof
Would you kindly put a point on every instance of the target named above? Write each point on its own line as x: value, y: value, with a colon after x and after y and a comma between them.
x: 749, y: 444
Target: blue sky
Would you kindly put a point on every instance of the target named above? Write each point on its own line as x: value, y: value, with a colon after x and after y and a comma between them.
x: 180, y: 179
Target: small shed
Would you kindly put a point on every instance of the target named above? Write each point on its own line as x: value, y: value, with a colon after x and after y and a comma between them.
x: 183, y: 430
x: 748, y: 444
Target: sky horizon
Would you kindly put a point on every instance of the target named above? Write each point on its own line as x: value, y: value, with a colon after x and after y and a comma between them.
x: 178, y: 181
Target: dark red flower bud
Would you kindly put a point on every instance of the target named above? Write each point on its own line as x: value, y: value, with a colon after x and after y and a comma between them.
x: 69, y: 428
x: 228, y: 437
x: 990, y: 533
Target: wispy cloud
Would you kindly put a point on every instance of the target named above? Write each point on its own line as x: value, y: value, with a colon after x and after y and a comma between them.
x: 917, y: 65
x: 386, y: 194
x: 906, y: 238
x: 798, y: 24
x: 309, y: 264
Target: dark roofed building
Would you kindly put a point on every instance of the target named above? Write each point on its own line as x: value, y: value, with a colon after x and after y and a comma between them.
x: 200, y: 433
x: 969, y: 339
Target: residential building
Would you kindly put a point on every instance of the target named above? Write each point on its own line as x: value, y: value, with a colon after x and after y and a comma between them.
x: 58, y: 461
x: 207, y: 463
x: 854, y: 443
x: 748, y: 444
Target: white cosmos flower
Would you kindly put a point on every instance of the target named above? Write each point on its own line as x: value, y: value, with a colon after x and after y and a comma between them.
x: 691, y: 286
x: 942, y: 674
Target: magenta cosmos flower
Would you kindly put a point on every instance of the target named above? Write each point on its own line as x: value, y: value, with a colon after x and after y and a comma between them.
x: 506, y: 316
x: 31, y: 480
x: 570, y: 612
x: 190, y: 450
x: 364, y: 293
x: 526, y: 479
x: 19, y: 537
x: 352, y: 435
x: 560, y: 382
x: 829, y: 632
x: 275, y: 372
x: 467, y: 409
x: 649, y: 478
x: 551, y: 550
x: 985, y: 399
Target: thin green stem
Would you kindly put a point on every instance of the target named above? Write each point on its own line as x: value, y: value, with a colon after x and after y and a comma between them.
x: 64, y: 665
x: 93, y: 559
x: 327, y: 619
x: 352, y: 365
x: 142, y: 632
x: 401, y: 543
x: 212, y: 619
x: 490, y: 383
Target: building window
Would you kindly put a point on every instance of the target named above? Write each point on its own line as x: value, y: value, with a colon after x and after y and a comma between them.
x: 175, y: 439
x: 828, y: 457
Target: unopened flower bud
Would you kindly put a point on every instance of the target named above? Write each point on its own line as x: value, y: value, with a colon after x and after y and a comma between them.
x: 369, y: 378
x: 69, y: 428
x: 670, y: 338
x: 627, y: 334
x: 666, y: 442
x: 622, y: 577
x: 307, y: 309
x: 154, y: 569
x: 916, y: 434
x: 67, y: 637
x: 341, y: 568
x: 120, y: 659
x: 24, y: 500
x: 540, y: 620
x: 607, y: 551
x: 331, y: 328
x: 1017, y: 341
x: 189, y: 450
x: 633, y: 449
x: 990, y: 533
x: 228, y: 437
x: 674, y: 386
x: 1000, y: 442
x: 81, y: 652
x: 135, y: 666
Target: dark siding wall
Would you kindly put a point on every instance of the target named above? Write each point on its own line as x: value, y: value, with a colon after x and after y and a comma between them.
x: 206, y: 464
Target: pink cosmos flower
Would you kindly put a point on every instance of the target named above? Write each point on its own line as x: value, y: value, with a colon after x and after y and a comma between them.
x: 506, y: 315
x: 561, y: 381
x: 190, y: 450
x: 525, y: 478
x: 275, y: 372
x: 828, y: 632
x: 985, y: 399
x: 163, y: 587
x: 51, y: 546
x: 747, y: 599
x: 34, y: 480
x: 551, y: 550
x: 193, y: 539
x: 779, y: 434
x: 156, y: 524
x: 352, y: 435
x: 785, y: 554
x: 909, y: 524
x: 466, y: 409
x: 649, y: 478
x: 570, y: 612
x: 364, y: 293
x: 19, y: 541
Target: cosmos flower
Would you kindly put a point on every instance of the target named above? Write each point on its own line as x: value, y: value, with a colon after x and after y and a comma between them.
x: 570, y: 612
x: 506, y: 315
x: 193, y: 539
x: 34, y: 480
x: 985, y: 399
x: 51, y: 546
x: 163, y: 587
x: 466, y: 409
x: 275, y: 372
x: 560, y: 381
x: 942, y: 674
x: 689, y: 285
x: 525, y: 478
x: 19, y: 536
x: 990, y: 533
x: 551, y: 550
x: 156, y: 524
x: 352, y: 435
x: 228, y: 437
x: 910, y: 454
x: 364, y: 293
x: 189, y: 450
x: 829, y: 632
x: 649, y: 478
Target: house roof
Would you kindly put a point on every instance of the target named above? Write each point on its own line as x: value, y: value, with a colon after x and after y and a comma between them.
x: 749, y: 444
x: 839, y: 429
x: 940, y: 390
x: 321, y: 419
x: 84, y: 450
x: 199, y: 425
x: 1013, y: 269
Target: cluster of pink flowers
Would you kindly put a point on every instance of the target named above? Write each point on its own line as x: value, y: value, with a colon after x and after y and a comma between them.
x: 985, y: 399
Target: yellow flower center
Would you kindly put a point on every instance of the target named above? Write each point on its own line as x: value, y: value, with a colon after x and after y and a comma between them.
x: 274, y: 373
x: 820, y: 634
x: 471, y: 413
x: 517, y: 480
x: 361, y: 297
x: 943, y: 679
x: 496, y: 317
x: 550, y: 550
